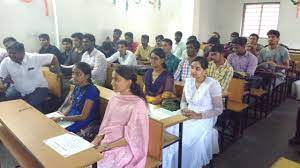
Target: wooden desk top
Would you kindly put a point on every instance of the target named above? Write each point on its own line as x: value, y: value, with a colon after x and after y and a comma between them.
x: 105, y: 93
x: 285, y: 163
x: 30, y: 128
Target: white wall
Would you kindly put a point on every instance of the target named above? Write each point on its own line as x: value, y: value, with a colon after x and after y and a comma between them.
x: 230, y: 13
x: 99, y: 17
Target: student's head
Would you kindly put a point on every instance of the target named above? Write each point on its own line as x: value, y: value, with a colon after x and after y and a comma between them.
x: 8, y: 41
x: 16, y: 52
x: 82, y: 73
x: 145, y: 40
x: 253, y: 38
x: 192, y: 48
x: 117, y: 34
x: 124, y: 80
x: 178, y: 36
x: 198, y: 67
x: 122, y: 47
x: 77, y: 39
x: 44, y: 40
x: 216, y: 53
x: 167, y: 45
x: 67, y: 44
x: 234, y: 35
x: 273, y: 37
x: 129, y: 37
x: 192, y: 38
x: 158, y: 40
x: 107, y: 45
x: 157, y: 58
x: 239, y: 45
x: 216, y: 34
x: 88, y: 42
x: 213, y: 41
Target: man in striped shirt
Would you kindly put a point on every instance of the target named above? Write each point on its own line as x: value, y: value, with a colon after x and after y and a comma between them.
x: 183, y: 70
x: 219, y: 68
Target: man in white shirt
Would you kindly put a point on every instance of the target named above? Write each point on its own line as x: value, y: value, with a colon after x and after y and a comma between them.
x: 95, y: 58
x: 124, y: 56
x: 25, y: 71
x: 179, y: 46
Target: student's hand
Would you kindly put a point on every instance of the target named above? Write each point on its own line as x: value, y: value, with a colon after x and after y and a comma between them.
x: 56, y: 119
x: 272, y: 63
x: 96, y: 141
x: 102, y: 148
x: 191, y: 114
x: 156, y: 102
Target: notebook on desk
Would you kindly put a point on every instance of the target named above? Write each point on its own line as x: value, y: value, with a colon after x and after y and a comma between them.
x: 63, y: 124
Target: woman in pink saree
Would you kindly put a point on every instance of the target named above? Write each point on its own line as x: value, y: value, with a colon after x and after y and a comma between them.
x: 124, y: 132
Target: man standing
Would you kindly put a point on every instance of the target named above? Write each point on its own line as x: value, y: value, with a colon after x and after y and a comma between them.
x: 179, y: 46
x: 25, y: 70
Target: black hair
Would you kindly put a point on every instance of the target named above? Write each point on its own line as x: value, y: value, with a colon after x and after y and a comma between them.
x: 195, y: 43
x: 274, y: 32
x: 90, y: 37
x: 240, y: 41
x: 129, y: 73
x: 178, y: 33
x: 145, y: 36
x: 255, y: 35
x: 17, y: 46
x: 119, y: 31
x: 213, y: 40
x: 107, y: 45
x: 77, y: 35
x: 202, y: 61
x: 8, y: 39
x: 67, y: 40
x: 44, y: 36
x: 218, y: 34
x: 123, y: 42
x: 235, y: 34
x: 161, y: 54
x: 169, y: 41
x: 129, y: 34
x: 217, y: 48
x: 86, y: 69
x: 192, y: 38
x: 159, y: 37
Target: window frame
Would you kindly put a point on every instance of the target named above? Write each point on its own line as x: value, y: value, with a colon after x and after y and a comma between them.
x: 258, y: 3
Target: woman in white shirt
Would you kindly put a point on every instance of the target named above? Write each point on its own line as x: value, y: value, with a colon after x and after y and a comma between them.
x: 201, y: 103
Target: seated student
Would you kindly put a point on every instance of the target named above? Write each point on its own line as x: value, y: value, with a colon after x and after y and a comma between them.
x: 158, y: 40
x: 228, y: 48
x: 107, y: 48
x: 67, y: 46
x: 254, y: 45
x: 6, y: 42
x: 242, y: 61
x: 219, y: 68
x: 77, y: 51
x: 211, y: 42
x: 124, y: 132
x: 47, y: 48
x: 158, y: 81
x: 24, y: 70
x: 94, y: 58
x: 274, y: 56
x: 123, y: 56
x: 179, y: 46
x: 202, y: 103
x: 184, y: 53
x: 183, y: 70
x: 171, y: 60
x: 116, y: 38
x: 131, y: 45
x: 84, y: 100
x: 143, y: 51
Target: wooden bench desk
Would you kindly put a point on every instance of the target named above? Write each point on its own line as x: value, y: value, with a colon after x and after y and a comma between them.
x: 285, y: 163
x: 23, y: 131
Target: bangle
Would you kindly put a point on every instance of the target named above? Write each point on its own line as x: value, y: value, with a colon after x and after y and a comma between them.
x: 105, y: 146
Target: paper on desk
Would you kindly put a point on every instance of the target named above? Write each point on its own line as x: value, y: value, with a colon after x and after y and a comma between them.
x: 63, y: 124
x: 161, y: 113
x: 68, y: 144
